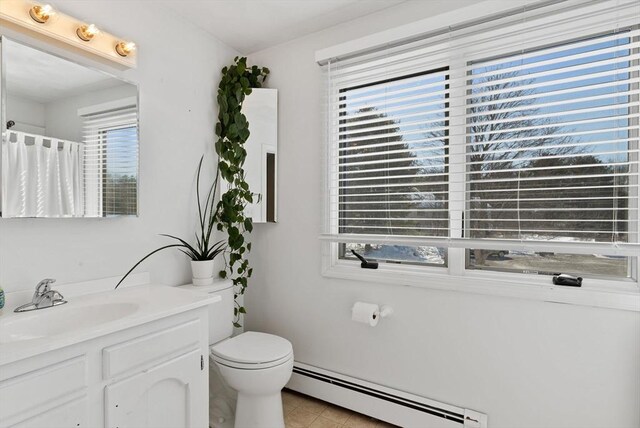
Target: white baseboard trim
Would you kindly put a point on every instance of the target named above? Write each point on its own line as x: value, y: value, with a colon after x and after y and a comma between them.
x: 386, y: 404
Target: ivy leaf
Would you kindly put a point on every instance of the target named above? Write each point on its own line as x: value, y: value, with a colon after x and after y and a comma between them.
x: 237, y: 118
x: 248, y: 225
x: 237, y: 242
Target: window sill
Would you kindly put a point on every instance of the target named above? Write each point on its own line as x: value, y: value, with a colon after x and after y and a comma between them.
x: 625, y: 297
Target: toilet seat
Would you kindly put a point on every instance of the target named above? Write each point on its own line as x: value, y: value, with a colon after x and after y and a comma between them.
x: 252, y: 350
x: 251, y: 366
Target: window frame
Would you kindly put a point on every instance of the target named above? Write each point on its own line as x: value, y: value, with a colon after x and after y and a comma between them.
x: 341, y: 121
x: 600, y: 280
x: 611, y: 293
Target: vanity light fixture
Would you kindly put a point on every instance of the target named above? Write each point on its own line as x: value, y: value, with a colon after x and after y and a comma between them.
x: 125, y: 48
x: 86, y: 32
x: 41, y: 13
x: 39, y: 17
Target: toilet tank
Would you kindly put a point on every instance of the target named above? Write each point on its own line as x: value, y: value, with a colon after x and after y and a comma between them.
x: 220, y: 313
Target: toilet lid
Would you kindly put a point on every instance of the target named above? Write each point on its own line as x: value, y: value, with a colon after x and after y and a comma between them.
x: 253, y: 348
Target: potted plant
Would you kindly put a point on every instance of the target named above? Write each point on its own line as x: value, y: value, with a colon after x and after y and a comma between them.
x: 203, y: 253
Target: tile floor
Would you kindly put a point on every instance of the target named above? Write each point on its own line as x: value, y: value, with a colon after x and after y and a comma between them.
x: 302, y: 411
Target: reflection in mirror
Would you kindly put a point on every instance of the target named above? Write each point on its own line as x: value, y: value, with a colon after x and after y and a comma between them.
x: 69, y: 138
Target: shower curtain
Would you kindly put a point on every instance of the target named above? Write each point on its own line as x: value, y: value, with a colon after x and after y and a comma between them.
x: 41, y: 176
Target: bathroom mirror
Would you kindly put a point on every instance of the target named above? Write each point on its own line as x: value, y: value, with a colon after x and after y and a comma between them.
x: 261, y: 110
x: 69, y: 138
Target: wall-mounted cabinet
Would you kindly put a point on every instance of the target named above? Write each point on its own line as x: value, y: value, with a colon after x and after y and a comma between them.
x: 261, y: 110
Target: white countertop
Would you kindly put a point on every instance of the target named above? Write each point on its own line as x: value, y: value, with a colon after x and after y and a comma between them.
x: 86, y: 317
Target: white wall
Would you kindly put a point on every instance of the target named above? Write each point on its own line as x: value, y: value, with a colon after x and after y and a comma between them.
x: 178, y: 72
x: 61, y: 116
x: 525, y: 363
x: 29, y: 115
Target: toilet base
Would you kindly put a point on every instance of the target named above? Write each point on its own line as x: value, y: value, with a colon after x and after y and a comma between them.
x: 259, y: 411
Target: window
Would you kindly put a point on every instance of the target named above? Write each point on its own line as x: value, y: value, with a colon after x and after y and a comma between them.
x: 111, y: 162
x: 549, y: 155
x: 120, y: 180
x: 510, y: 145
x: 393, y: 165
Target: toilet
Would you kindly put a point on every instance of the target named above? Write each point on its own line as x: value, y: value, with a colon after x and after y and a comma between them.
x: 255, y: 365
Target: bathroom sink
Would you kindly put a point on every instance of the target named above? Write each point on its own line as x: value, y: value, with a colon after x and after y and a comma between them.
x: 89, y: 316
x: 62, y: 319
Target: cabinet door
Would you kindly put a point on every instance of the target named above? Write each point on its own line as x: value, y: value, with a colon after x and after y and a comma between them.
x: 172, y: 395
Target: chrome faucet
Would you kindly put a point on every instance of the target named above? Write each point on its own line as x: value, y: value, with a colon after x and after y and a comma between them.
x: 43, y: 297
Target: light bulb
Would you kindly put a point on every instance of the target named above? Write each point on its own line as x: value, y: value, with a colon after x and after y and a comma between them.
x: 86, y: 32
x: 125, y: 48
x: 41, y: 14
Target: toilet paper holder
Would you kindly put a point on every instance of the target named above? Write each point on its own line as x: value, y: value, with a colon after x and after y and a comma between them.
x: 385, y: 311
x: 370, y: 313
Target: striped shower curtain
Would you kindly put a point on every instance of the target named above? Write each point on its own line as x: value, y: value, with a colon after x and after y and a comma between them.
x: 41, y: 176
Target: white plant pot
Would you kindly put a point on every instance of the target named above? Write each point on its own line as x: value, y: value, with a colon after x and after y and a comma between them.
x: 202, y: 272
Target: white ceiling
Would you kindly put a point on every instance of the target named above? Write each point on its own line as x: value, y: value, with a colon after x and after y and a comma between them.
x: 252, y: 25
x: 42, y: 77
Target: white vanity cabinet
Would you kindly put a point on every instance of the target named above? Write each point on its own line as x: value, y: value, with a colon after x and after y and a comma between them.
x: 150, y: 375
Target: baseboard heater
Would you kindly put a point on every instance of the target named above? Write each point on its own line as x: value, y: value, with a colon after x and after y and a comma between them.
x: 386, y: 404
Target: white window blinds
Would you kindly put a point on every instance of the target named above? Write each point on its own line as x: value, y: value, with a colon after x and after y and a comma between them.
x: 111, y: 162
x: 517, y: 132
x: 392, y: 157
x: 551, y: 151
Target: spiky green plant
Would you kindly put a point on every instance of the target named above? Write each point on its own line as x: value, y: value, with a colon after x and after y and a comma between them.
x: 204, y: 248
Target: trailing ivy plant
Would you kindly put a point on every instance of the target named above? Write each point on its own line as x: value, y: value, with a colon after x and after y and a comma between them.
x: 232, y: 131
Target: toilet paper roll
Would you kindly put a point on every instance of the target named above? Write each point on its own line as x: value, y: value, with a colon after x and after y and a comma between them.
x: 368, y: 313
